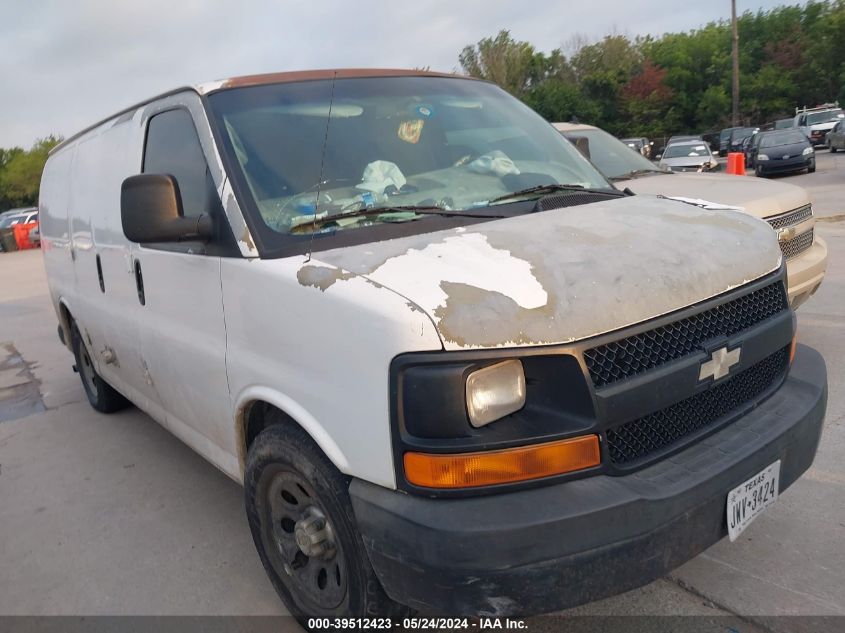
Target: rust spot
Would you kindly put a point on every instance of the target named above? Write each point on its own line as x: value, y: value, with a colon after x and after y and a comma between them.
x: 321, y: 277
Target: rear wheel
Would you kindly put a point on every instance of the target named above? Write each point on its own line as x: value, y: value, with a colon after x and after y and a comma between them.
x: 101, y: 395
x: 832, y: 149
x: 304, y: 529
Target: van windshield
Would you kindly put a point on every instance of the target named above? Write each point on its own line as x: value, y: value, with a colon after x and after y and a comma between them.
x: 815, y: 118
x: 312, y: 149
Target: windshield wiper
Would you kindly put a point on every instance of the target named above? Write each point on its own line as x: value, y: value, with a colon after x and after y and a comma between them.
x: 639, y: 172
x: 415, y: 209
x: 551, y: 188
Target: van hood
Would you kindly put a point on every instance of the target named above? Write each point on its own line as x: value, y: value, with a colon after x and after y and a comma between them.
x: 761, y: 198
x: 825, y: 126
x: 561, y: 275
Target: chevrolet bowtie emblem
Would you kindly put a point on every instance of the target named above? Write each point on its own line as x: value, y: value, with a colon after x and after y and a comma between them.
x: 786, y: 233
x: 720, y: 363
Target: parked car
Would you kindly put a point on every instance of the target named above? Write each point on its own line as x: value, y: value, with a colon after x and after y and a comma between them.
x: 35, y: 236
x: 784, y: 206
x: 640, y: 145
x: 749, y: 148
x: 688, y: 156
x: 682, y: 138
x: 394, y: 305
x: 816, y: 122
x: 739, y: 136
x: 725, y: 140
x: 835, y: 139
x: 18, y: 216
x: 14, y: 228
x: 783, y: 151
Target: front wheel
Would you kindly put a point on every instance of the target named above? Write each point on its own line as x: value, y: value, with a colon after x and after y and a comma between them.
x: 832, y: 149
x: 758, y: 171
x: 304, y: 529
x: 101, y: 395
x: 812, y: 168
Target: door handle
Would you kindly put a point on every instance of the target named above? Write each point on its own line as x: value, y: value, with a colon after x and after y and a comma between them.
x: 139, y: 282
x: 100, y: 274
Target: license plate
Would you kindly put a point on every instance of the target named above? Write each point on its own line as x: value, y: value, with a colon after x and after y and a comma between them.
x: 748, y: 500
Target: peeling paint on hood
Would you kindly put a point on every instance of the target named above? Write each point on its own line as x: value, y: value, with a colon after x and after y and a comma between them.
x: 562, y: 275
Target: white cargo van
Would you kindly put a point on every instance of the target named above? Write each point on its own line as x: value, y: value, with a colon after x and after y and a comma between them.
x: 455, y: 369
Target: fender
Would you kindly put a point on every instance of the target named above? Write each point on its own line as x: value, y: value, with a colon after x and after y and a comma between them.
x: 296, y: 412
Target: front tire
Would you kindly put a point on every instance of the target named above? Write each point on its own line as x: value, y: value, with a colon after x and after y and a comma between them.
x: 812, y: 168
x: 758, y: 171
x: 101, y: 395
x: 304, y: 528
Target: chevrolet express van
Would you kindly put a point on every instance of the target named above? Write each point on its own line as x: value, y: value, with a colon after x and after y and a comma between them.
x: 455, y: 369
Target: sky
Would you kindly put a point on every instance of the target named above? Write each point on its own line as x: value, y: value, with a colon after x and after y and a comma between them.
x: 65, y: 64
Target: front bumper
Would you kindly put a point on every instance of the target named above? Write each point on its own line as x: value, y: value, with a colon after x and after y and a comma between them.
x: 796, y: 163
x: 805, y: 272
x: 544, y: 549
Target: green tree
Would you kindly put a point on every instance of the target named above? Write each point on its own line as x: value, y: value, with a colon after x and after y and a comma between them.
x: 557, y: 100
x: 20, y: 172
x: 789, y: 56
x: 515, y: 66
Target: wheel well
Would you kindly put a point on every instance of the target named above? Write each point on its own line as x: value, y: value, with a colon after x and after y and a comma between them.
x: 257, y: 416
x: 65, y: 319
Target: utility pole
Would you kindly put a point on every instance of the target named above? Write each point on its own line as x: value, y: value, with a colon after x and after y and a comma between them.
x: 735, y: 54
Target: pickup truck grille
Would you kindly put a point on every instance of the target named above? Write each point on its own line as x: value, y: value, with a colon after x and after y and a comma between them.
x: 797, y: 245
x: 655, y: 431
x: 791, y: 218
x: 639, y: 353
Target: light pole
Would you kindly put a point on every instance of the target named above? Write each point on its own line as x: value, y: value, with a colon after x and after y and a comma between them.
x: 735, y: 55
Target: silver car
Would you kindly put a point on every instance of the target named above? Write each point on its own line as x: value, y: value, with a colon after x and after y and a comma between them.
x: 688, y: 156
x: 836, y: 137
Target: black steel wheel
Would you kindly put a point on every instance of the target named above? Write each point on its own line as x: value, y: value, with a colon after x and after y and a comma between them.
x: 304, y: 529
x: 102, y: 396
x: 300, y: 540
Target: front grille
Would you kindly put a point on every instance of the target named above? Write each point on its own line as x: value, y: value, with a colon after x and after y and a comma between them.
x: 636, y: 354
x: 797, y: 245
x: 791, y: 218
x: 637, y: 439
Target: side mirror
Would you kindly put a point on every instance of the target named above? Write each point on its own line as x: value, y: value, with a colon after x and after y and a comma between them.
x: 151, y: 211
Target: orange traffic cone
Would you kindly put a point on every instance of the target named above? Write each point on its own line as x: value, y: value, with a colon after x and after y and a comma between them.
x: 736, y: 163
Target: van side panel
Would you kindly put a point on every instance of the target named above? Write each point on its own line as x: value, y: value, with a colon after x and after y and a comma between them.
x: 55, y: 230
x: 109, y: 315
x: 321, y: 352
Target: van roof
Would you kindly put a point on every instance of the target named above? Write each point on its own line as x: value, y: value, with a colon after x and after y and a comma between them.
x: 268, y: 78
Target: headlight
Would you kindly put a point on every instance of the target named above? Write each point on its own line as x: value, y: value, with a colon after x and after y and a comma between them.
x: 494, y: 392
x: 762, y: 157
x: 807, y: 151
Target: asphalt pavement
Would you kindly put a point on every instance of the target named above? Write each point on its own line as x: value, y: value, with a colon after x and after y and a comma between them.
x: 112, y: 515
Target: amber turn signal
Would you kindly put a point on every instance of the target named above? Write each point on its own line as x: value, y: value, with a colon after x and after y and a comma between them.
x: 792, y: 347
x: 487, y: 468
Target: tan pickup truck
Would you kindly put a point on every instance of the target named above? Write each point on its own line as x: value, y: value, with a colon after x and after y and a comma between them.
x: 786, y: 207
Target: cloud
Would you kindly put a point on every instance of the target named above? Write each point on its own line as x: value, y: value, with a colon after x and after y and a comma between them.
x: 68, y: 64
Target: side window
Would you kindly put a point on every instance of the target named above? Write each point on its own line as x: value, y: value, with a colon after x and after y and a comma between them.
x: 173, y: 147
